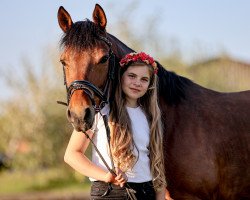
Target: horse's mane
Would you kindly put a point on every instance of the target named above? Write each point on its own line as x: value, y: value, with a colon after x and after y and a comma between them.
x: 172, y: 87
x: 82, y: 35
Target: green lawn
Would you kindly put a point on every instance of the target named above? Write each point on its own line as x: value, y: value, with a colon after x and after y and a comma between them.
x: 42, y: 180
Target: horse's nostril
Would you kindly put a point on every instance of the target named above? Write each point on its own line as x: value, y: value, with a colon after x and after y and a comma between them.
x: 68, y: 114
x: 87, y: 114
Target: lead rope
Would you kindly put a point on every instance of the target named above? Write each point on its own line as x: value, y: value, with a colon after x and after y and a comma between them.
x: 131, y: 192
x: 100, y: 155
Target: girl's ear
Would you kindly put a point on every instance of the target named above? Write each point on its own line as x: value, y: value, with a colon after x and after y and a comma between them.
x: 99, y: 17
x: 64, y: 19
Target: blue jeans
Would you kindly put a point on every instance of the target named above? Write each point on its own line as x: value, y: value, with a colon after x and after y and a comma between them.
x: 101, y: 190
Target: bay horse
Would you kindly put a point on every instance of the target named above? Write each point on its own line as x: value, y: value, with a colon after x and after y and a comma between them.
x: 206, y: 133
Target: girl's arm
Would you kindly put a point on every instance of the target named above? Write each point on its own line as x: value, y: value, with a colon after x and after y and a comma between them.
x: 76, y: 158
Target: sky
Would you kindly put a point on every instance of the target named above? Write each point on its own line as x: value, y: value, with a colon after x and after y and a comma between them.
x: 28, y: 27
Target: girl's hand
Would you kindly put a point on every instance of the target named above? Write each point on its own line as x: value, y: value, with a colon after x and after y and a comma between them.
x: 120, y: 179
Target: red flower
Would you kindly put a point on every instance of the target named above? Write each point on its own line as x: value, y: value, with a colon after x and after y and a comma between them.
x: 143, y: 57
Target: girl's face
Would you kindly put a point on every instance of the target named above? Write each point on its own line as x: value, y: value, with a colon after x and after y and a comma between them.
x: 135, y: 82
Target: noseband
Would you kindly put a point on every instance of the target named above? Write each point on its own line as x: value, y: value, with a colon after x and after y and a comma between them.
x: 90, y: 89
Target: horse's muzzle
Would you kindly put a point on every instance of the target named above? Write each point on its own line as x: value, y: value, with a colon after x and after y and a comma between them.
x: 83, y: 121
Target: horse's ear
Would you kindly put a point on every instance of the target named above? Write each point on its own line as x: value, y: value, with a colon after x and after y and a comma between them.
x: 99, y: 17
x: 64, y: 19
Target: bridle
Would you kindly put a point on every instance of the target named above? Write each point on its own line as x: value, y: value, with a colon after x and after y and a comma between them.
x: 89, y: 88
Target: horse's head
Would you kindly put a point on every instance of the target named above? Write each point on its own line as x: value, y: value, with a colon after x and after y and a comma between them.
x: 87, y: 65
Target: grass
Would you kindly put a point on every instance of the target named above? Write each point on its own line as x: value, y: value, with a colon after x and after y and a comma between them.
x: 52, y: 180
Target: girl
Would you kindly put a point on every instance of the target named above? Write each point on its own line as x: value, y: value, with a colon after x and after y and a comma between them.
x: 135, y: 144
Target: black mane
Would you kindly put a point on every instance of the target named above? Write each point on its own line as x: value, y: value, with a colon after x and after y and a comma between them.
x: 82, y: 35
x: 172, y: 87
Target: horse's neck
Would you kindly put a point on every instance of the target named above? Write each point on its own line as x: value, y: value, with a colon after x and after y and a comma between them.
x: 119, y: 48
x: 172, y: 87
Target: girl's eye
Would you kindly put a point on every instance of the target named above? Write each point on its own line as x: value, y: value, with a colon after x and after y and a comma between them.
x: 145, y: 80
x: 131, y: 76
x: 104, y: 59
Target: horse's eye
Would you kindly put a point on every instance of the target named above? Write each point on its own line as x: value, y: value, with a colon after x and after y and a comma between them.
x: 104, y: 59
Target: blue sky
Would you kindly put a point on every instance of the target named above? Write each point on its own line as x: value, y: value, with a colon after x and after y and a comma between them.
x: 28, y: 27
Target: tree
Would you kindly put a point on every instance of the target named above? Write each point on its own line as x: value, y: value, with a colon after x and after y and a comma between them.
x: 34, y: 128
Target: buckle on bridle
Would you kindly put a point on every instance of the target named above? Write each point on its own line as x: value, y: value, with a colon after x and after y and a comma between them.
x: 101, y: 106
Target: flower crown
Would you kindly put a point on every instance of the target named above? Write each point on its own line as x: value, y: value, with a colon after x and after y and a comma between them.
x: 135, y: 57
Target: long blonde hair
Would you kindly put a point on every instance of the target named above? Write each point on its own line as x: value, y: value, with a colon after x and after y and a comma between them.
x: 122, y: 144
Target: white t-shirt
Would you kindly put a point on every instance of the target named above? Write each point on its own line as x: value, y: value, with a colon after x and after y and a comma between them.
x: 140, y: 129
